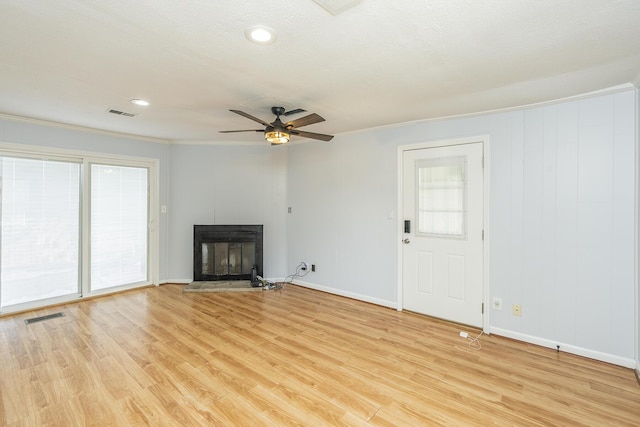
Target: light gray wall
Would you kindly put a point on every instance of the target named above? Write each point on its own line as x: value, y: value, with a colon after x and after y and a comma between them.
x: 341, y: 195
x: 212, y: 184
x: 562, y: 223
x: 41, y: 134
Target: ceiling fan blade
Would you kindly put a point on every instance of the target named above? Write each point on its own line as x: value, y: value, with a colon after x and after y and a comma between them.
x: 312, y: 135
x: 245, y: 130
x: 296, y: 111
x: 305, y: 121
x: 249, y: 116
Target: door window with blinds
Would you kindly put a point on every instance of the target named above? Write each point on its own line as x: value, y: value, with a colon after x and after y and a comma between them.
x: 71, y: 227
x: 441, y: 197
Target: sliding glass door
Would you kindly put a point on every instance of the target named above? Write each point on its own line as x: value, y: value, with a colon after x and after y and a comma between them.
x: 72, y: 227
x: 119, y: 225
x: 40, y: 232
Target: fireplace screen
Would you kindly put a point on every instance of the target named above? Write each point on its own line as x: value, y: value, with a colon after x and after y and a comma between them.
x: 226, y: 252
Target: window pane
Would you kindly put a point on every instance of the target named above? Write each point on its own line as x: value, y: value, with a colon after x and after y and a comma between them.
x: 40, y: 230
x: 119, y: 232
x: 441, y: 196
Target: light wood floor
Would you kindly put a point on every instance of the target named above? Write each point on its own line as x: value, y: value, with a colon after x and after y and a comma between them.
x: 158, y: 357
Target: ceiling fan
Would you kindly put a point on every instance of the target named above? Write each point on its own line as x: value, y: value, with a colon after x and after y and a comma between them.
x: 278, y: 133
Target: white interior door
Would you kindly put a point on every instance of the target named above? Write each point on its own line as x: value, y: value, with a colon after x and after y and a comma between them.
x: 443, y: 249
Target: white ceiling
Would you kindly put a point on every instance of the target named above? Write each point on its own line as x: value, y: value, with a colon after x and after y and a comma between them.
x: 377, y: 63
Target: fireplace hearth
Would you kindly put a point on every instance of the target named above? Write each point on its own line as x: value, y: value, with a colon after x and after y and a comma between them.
x: 226, y: 252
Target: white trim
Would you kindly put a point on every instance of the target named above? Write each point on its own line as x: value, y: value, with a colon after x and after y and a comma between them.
x: 486, y: 232
x: 38, y: 304
x: 566, y: 348
x: 343, y: 293
x: 175, y: 281
x: 484, y: 139
x: 153, y: 245
x: 257, y: 142
x: 596, y: 93
x: 115, y: 289
x: 42, y: 122
x: 636, y: 286
x: 399, y: 228
x: 54, y: 153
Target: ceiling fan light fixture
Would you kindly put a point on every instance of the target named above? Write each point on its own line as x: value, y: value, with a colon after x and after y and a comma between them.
x: 278, y: 133
x: 260, y: 34
x: 277, y: 136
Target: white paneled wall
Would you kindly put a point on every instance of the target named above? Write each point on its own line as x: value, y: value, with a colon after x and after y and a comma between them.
x: 572, y: 226
x: 562, y: 218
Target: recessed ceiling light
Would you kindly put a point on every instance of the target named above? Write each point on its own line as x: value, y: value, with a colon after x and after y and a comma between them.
x: 260, y: 34
x: 140, y: 102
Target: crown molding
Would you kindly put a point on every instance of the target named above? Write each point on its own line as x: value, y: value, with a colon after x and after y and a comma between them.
x: 67, y: 126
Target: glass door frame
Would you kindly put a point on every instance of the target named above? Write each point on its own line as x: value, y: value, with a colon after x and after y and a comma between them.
x: 85, y: 159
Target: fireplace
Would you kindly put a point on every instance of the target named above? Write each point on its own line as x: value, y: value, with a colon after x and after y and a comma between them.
x: 226, y: 252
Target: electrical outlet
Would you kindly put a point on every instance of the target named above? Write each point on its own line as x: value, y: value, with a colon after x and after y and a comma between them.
x: 313, y: 267
x: 497, y: 303
x: 516, y: 309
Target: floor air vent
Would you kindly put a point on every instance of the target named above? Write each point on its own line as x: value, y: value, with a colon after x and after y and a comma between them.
x: 41, y: 318
x: 120, y: 113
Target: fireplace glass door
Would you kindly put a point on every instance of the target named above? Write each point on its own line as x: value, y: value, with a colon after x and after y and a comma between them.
x: 227, y: 252
x: 228, y: 258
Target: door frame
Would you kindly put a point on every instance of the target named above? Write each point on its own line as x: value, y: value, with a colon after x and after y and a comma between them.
x: 484, y: 139
x: 85, y: 158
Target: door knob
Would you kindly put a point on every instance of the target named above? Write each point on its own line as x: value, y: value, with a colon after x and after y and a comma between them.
x: 406, y: 241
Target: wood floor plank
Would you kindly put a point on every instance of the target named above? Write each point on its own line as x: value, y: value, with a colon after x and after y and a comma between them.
x: 296, y: 356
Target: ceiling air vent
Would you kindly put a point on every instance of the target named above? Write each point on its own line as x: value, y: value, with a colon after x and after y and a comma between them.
x: 336, y: 7
x: 120, y: 113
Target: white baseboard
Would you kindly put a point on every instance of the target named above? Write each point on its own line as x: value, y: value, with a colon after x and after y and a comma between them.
x: 343, y: 293
x: 566, y: 348
x: 177, y: 281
